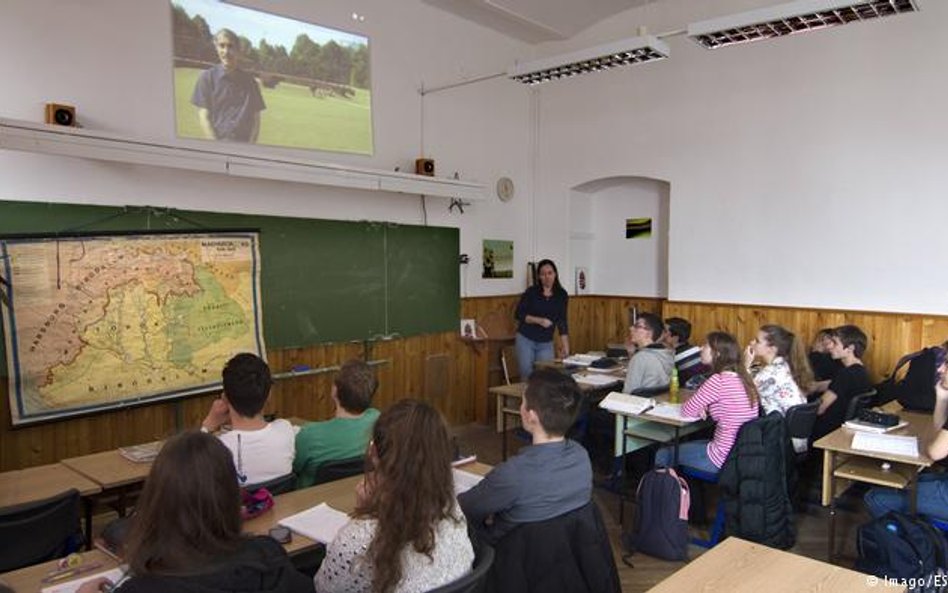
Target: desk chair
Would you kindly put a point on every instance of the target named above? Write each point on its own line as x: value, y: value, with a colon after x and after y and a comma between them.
x: 510, y: 364
x: 570, y: 552
x: 476, y: 580
x: 278, y: 485
x: 338, y: 469
x: 860, y: 402
x: 39, y: 531
x: 800, y: 422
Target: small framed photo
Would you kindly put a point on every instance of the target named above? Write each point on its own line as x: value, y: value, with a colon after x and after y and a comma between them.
x: 582, y: 280
x: 468, y: 329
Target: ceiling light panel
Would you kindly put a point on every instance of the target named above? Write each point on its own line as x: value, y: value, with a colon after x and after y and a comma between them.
x: 791, y: 18
x: 636, y: 50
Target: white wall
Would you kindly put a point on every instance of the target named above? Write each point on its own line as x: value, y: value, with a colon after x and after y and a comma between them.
x: 805, y: 171
x: 620, y: 266
x: 112, y: 59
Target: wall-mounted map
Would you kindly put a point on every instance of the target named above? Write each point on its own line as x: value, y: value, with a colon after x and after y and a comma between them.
x: 105, y: 321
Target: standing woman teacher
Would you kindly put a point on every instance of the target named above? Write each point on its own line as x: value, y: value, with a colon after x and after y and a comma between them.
x: 542, y: 308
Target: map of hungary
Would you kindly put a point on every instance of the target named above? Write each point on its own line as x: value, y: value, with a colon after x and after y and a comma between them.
x: 104, y: 321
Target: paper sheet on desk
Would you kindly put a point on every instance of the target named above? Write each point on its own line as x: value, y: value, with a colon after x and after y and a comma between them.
x: 464, y: 481
x: 596, y: 380
x: 670, y: 411
x: 114, y: 575
x: 581, y: 359
x: 886, y: 443
x: 320, y: 523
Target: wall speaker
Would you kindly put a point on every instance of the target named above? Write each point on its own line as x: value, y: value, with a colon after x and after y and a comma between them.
x: 424, y: 167
x: 61, y: 115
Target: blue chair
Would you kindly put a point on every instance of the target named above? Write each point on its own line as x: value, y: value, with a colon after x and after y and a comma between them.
x: 938, y: 524
x: 717, y: 528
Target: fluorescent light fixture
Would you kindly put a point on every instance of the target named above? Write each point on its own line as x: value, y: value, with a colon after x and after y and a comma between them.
x: 791, y: 18
x: 636, y: 50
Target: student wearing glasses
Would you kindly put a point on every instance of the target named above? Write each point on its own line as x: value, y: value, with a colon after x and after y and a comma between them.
x: 651, y: 361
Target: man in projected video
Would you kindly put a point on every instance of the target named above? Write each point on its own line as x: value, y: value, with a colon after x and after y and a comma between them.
x: 228, y: 99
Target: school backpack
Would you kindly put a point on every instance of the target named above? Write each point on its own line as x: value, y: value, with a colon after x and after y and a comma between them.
x: 916, y: 390
x: 661, y: 518
x: 900, y: 546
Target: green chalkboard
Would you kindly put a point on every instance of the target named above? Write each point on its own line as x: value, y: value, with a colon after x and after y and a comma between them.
x: 321, y: 280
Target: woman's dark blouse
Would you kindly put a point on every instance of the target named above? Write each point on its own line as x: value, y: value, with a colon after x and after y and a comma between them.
x: 532, y: 302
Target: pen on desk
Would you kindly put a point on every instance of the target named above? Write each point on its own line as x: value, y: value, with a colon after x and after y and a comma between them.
x: 71, y: 572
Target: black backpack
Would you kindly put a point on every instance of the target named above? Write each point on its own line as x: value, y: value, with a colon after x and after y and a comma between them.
x: 900, y: 546
x: 916, y: 390
x: 661, y: 518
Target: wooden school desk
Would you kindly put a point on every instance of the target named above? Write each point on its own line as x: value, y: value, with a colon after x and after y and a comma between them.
x: 30, y: 579
x: 739, y: 566
x: 44, y: 481
x: 842, y: 464
x: 659, y: 429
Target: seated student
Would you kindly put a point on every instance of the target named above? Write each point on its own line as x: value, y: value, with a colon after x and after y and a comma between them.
x: 848, y: 346
x: 687, y: 356
x: 823, y: 365
x: 186, y: 532
x: 546, y: 479
x: 932, y: 488
x: 407, y: 532
x: 785, y: 377
x: 262, y: 450
x: 728, y: 396
x: 345, y: 435
x: 651, y: 362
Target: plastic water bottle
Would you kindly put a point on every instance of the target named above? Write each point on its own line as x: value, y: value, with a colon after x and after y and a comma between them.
x: 673, y: 386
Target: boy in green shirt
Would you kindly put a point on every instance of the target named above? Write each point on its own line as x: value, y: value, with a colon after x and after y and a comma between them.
x: 348, y: 433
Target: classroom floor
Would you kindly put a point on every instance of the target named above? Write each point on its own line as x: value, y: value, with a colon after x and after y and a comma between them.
x: 812, y: 525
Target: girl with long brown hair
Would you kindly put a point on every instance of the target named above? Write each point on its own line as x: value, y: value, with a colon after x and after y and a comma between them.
x: 407, y: 532
x: 186, y: 535
x: 728, y: 396
x: 786, y: 375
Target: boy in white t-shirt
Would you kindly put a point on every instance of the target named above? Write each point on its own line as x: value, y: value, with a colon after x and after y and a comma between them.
x: 262, y: 450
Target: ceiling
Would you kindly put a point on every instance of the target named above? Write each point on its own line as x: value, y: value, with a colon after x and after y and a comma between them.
x: 536, y: 21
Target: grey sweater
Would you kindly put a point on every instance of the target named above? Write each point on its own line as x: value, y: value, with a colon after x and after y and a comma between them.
x: 539, y: 483
x: 650, y: 367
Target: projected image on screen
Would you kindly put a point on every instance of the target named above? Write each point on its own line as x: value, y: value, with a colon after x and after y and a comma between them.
x: 242, y: 75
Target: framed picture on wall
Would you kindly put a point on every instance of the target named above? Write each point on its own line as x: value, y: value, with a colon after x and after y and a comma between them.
x: 582, y: 280
x: 498, y: 258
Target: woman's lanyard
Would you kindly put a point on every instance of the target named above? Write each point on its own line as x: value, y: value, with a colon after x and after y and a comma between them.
x: 241, y: 476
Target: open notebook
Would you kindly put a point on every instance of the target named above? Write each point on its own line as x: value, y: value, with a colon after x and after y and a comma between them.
x: 624, y: 403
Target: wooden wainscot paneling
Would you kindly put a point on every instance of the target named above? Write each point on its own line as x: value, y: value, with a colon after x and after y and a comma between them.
x: 595, y: 320
x: 891, y: 335
x: 495, y: 319
x: 443, y: 357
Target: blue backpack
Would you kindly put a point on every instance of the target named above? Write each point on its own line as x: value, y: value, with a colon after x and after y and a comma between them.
x: 900, y: 546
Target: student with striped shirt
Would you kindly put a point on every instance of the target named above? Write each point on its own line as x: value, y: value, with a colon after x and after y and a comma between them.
x: 728, y: 397
x: 687, y: 357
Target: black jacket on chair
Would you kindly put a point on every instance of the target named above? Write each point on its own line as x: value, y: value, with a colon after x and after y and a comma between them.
x: 754, y: 484
x: 566, y: 554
